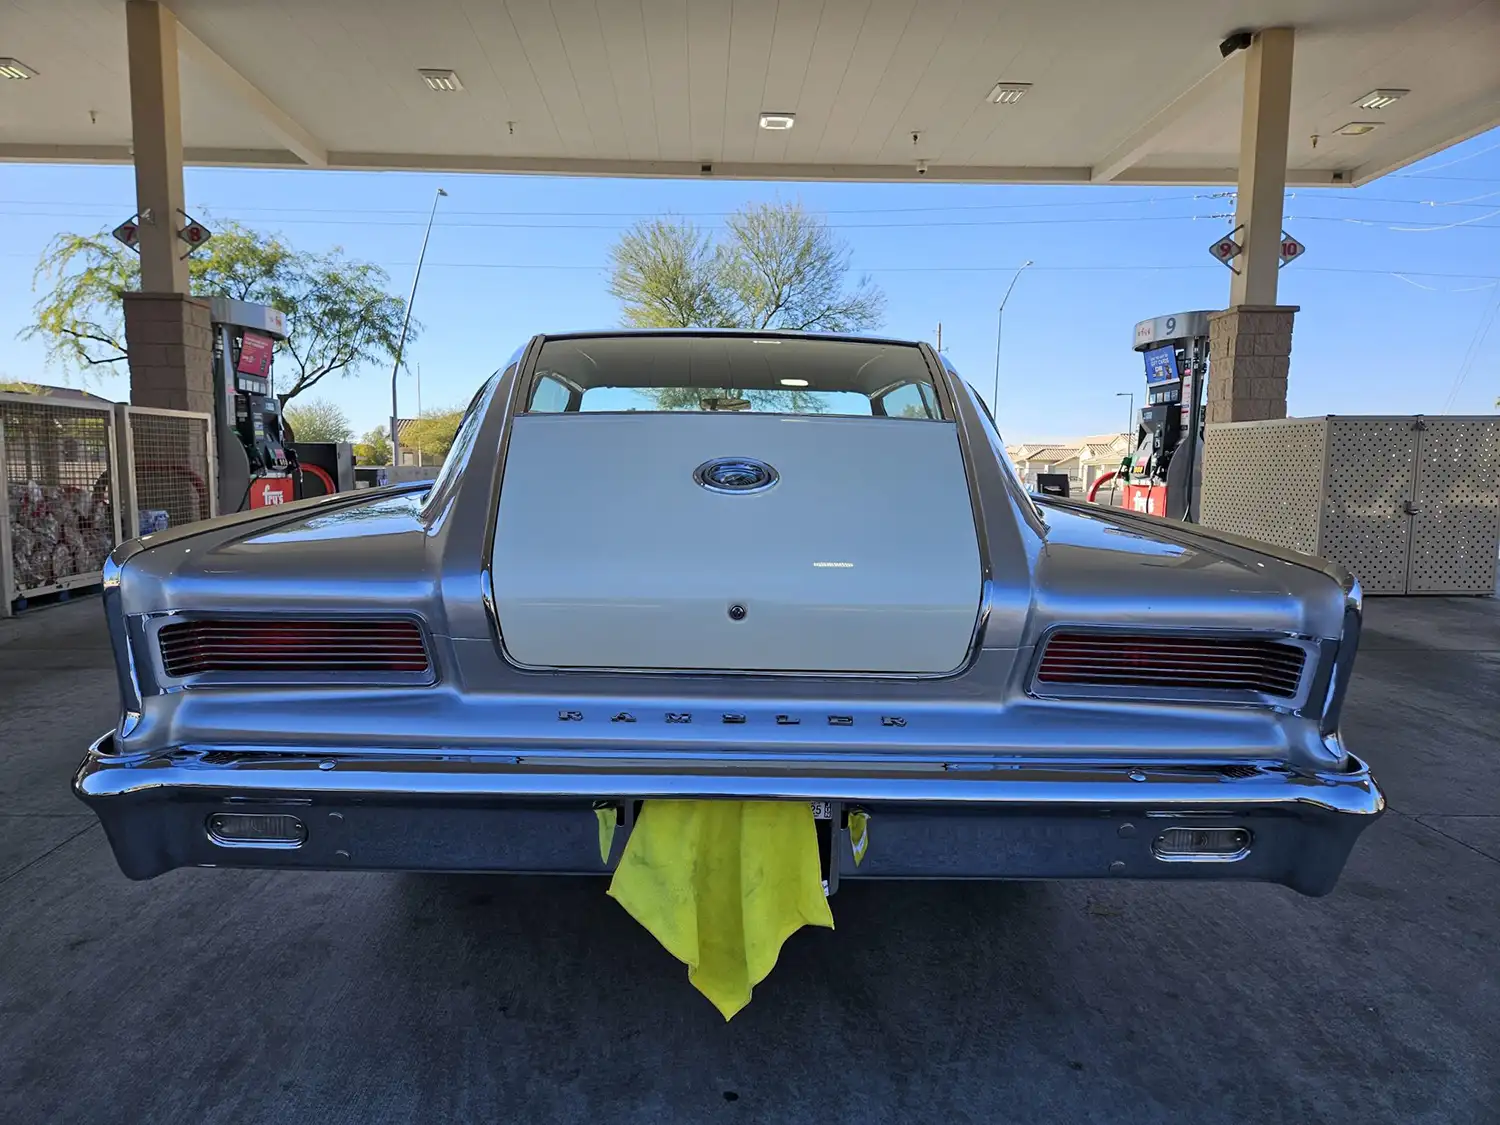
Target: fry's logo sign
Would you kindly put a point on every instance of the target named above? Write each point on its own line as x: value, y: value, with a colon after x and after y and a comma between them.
x: 267, y: 492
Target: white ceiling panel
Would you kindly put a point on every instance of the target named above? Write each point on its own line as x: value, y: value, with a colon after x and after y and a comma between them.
x: 1133, y: 91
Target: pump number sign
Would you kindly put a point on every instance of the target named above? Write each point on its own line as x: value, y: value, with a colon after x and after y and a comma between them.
x: 1226, y: 250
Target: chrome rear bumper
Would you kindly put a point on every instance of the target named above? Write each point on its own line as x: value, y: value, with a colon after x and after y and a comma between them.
x: 536, y: 813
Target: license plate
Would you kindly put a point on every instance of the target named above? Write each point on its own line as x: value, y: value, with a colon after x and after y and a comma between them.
x: 822, y: 810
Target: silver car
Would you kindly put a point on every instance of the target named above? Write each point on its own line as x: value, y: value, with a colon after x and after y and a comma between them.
x: 732, y: 566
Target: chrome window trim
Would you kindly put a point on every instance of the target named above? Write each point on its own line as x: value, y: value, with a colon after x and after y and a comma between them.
x: 532, y: 375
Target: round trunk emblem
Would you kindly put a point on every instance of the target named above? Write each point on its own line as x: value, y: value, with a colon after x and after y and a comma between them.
x: 735, y: 474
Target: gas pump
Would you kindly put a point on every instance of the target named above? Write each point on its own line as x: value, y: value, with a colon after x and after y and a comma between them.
x: 255, y: 466
x: 1164, y: 470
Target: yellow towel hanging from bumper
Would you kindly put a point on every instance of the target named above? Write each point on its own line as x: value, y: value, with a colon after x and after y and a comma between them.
x: 722, y: 885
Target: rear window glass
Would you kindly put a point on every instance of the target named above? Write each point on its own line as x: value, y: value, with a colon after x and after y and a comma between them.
x: 755, y: 374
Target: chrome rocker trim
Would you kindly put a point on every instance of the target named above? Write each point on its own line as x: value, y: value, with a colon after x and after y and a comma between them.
x: 536, y: 812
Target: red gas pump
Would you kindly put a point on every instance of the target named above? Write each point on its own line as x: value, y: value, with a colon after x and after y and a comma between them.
x: 255, y: 468
x: 1164, y: 470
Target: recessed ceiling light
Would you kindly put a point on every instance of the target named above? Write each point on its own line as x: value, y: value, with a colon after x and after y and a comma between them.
x: 443, y: 81
x: 1358, y: 128
x: 777, y: 122
x: 1008, y: 93
x: 15, y: 68
x: 794, y: 382
x: 1379, y: 99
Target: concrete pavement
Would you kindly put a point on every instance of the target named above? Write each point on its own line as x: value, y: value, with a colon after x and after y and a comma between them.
x: 245, y: 997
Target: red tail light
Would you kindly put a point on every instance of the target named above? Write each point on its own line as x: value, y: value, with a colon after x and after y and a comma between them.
x: 1118, y: 660
x: 224, y: 645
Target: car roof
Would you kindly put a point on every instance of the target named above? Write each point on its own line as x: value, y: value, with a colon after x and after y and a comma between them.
x: 745, y: 332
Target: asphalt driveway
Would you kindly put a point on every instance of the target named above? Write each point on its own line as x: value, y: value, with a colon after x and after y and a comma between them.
x: 243, y: 997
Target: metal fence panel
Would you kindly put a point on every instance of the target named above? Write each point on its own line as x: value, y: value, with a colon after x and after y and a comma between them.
x: 1263, y: 480
x: 60, y: 483
x: 1372, y: 465
x: 171, y: 458
x: 1456, y: 509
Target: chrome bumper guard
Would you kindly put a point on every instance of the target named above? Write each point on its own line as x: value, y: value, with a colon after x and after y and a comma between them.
x: 537, y: 813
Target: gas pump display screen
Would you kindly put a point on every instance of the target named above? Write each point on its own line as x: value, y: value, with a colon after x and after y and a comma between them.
x: 1161, y: 366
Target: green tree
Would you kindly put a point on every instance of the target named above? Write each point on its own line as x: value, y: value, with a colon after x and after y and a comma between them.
x: 778, y: 267
x: 339, y: 313
x: 432, y: 433
x: 319, y: 420
x: 374, y: 448
x: 664, y: 272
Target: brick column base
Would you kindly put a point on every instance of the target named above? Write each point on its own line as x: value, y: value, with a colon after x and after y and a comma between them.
x: 170, y: 340
x: 1249, y: 355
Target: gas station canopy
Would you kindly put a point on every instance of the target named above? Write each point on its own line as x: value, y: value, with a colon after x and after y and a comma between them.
x: 1062, y: 91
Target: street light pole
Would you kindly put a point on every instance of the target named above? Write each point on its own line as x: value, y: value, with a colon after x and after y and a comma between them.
x: 406, y: 323
x: 999, y: 330
x: 1129, y: 418
x: 1129, y: 421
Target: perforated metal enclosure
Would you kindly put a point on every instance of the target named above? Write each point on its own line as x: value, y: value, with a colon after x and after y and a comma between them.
x: 1410, y: 504
x: 1242, y: 494
x: 1457, y: 518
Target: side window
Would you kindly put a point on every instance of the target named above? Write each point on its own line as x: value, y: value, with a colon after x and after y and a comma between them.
x: 463, y: 441
x: 549, y: 396
x: 907, y: 401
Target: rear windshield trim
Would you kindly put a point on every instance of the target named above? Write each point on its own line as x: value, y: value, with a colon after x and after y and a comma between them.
x: 932, y: 401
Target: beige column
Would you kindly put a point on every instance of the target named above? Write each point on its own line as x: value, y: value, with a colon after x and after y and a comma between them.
x: 167, y: 332
x: 1250, y: 344
x: 156, y: 131
x: 1264, y: 124
x: 1249, y: 358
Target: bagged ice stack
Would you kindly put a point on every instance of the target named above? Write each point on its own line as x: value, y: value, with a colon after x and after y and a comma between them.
x: 57, y: 532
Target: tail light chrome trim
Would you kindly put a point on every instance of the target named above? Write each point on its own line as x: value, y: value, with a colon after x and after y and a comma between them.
x: 234, y: 649
x: 1157, y: 667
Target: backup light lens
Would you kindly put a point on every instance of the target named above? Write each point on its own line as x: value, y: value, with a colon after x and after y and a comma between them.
x: 1203, y: 845
x: 256, y: 830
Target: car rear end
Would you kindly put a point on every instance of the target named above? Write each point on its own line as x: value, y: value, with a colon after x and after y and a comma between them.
x: 725, y: 567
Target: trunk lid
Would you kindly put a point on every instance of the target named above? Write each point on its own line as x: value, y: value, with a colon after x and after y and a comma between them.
x: 623, y: 543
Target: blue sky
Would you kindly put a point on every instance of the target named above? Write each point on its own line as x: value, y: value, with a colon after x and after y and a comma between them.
x: 1399, y: 288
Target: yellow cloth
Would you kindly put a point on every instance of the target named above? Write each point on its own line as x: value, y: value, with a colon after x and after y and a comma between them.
x: 722, y: 884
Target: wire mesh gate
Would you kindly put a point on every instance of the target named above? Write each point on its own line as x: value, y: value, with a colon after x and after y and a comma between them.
x: 77, y: 478
x: 168, y: 468
x: 59, y: 511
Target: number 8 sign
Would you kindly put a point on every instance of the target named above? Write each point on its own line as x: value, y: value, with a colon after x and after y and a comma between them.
x: 195, y: 234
